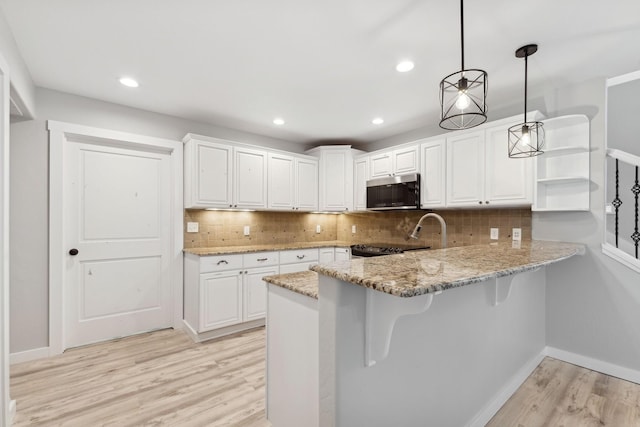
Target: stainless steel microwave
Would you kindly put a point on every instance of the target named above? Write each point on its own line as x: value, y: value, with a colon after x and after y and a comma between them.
x: 394, y: 192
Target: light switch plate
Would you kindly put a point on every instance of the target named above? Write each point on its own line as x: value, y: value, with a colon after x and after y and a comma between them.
x: 353, y: 229
x: 494, y: 234
x: 516, y: 234
x: 192, y: 227
x: 247, y: 230
x: 318, y: 228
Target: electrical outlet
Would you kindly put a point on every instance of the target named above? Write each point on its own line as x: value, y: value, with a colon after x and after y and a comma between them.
x: 247, y: 230
x: 318, y: 228
x: 353, y: 229
x: 192, y: 227
x: 516, y: 234
x: 494, y: 234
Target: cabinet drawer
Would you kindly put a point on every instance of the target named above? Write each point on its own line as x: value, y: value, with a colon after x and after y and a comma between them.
x: 260, y: 259
x: 301, y: 255
x: 214, y: 263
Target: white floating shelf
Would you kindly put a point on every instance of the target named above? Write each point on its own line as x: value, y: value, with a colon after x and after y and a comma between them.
x: 562, y: 180
x: 564, y: 151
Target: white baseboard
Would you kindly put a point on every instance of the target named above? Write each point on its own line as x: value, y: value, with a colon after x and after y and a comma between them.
x: 483, y: 417
x: 12, y: 411
x: 29, y: 355
x: 594, y: 364
x: 217, y: 333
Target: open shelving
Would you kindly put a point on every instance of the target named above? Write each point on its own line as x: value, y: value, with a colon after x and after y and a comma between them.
x: 562, y: 181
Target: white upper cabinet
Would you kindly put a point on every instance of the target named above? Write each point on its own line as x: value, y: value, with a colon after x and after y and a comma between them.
x: 465, y: 169
x: 508, y: 181
x: 335, y: 177
x: 208, y: 174
x: 306, y: 188
x: 395, y: 162
x: 432, y: 187
x: 480, y: 172
x: 250, y: 178
x: 361, y: 176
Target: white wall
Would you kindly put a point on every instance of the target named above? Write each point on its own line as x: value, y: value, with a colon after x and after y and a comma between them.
x: 22, y: 88
x: 592, y: 302
x: 29, y: 193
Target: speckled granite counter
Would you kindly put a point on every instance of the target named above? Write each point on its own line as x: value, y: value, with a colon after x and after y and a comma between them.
x: 420, y: 272
x: 303, y: 282
x: 221, y: 250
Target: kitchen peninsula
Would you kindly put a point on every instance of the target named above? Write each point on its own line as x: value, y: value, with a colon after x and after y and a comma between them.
x: 440, y: 337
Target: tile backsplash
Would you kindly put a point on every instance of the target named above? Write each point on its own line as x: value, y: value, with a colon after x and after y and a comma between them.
x: 464, y: 227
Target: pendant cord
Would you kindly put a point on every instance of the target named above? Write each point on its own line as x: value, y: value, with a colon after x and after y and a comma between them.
x: 462, y: 33
x: 525, y: 86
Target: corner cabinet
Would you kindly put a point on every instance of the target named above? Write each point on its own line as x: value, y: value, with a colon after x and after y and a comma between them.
x: 335, y: 177
x: 562, y: 179
x: 222, y: 175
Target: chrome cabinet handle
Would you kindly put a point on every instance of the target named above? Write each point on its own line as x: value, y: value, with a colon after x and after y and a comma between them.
x: 262, y: 259
x: 300, y: 256
x: 222, y: 261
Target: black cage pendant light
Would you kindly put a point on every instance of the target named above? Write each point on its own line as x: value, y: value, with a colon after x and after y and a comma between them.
x: 463, y: 94
x: 527, y: 138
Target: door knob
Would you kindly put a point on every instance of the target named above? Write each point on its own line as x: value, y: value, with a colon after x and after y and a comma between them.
x: 73, y: 252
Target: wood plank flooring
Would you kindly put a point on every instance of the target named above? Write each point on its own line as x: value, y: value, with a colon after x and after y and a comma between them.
x: 164, y: 379
x: 560, y: 394
x: 160, y: 378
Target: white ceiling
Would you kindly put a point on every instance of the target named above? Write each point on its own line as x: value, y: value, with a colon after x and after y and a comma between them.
x: 326, y: 66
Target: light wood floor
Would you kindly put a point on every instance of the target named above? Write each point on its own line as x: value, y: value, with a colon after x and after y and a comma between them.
x: 561, y: 394
x: 160, y: 378
x: 164, y: 379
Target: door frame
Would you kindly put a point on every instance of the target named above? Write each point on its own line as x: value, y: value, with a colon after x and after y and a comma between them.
x: 61, y: 133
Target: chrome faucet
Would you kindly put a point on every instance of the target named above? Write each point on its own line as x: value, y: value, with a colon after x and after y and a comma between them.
x: 443, y: 228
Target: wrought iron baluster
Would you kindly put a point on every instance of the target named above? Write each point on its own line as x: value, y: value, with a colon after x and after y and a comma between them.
x: 617, y: 202
x: 636, y: 191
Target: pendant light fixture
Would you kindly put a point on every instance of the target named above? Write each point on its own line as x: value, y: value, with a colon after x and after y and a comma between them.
x: 463, y: 94
x: 527, y: 138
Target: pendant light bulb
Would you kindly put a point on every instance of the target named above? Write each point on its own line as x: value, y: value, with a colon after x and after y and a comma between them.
x: 526, y: 138
x: 463, y: 101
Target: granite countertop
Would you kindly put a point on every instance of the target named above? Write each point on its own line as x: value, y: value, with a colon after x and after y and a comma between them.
x: 221, y: 250
x: 419, y: 272
x: 303, y: 282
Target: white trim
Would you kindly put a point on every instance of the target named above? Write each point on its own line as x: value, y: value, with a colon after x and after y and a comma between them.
x: 621, y: 256
x: 624, y: 156
x: 5, y: 94
x: 594, y: 364
x: 12, y: 411
x: 59, y: 133
x: 29, y: 355
x: 614, y: 81
x: 221, y: 332
x: 491, y: 408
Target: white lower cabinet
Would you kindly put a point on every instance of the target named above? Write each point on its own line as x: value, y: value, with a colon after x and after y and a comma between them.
x: 224, y: 294
x: 292, y: 261
x: 342, y: 254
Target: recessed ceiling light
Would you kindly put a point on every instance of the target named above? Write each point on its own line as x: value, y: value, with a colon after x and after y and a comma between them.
x: 278, y: 121
x: 129, y: 82
x: 377, y: 121
x: 404, y: 66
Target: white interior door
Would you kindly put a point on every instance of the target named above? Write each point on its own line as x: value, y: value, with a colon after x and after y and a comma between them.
x: 117, y: 216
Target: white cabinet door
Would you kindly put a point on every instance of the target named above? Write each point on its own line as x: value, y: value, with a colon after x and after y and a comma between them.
x: 326, y: 255
x: 336, y: 178
x: 342, y: 254
x: 255, y: 292
x: 465, y: 169
x: 432, y: 191
x: 220, y: 299
x: 250, y: 178
x: 281, y: 182
x: 406, y: 160
x: 306, y: 184
x: 381, y: 164
x: 295, y: 268
x: 361, y: 175
x: 208, y: 175
x: 507, y: 181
